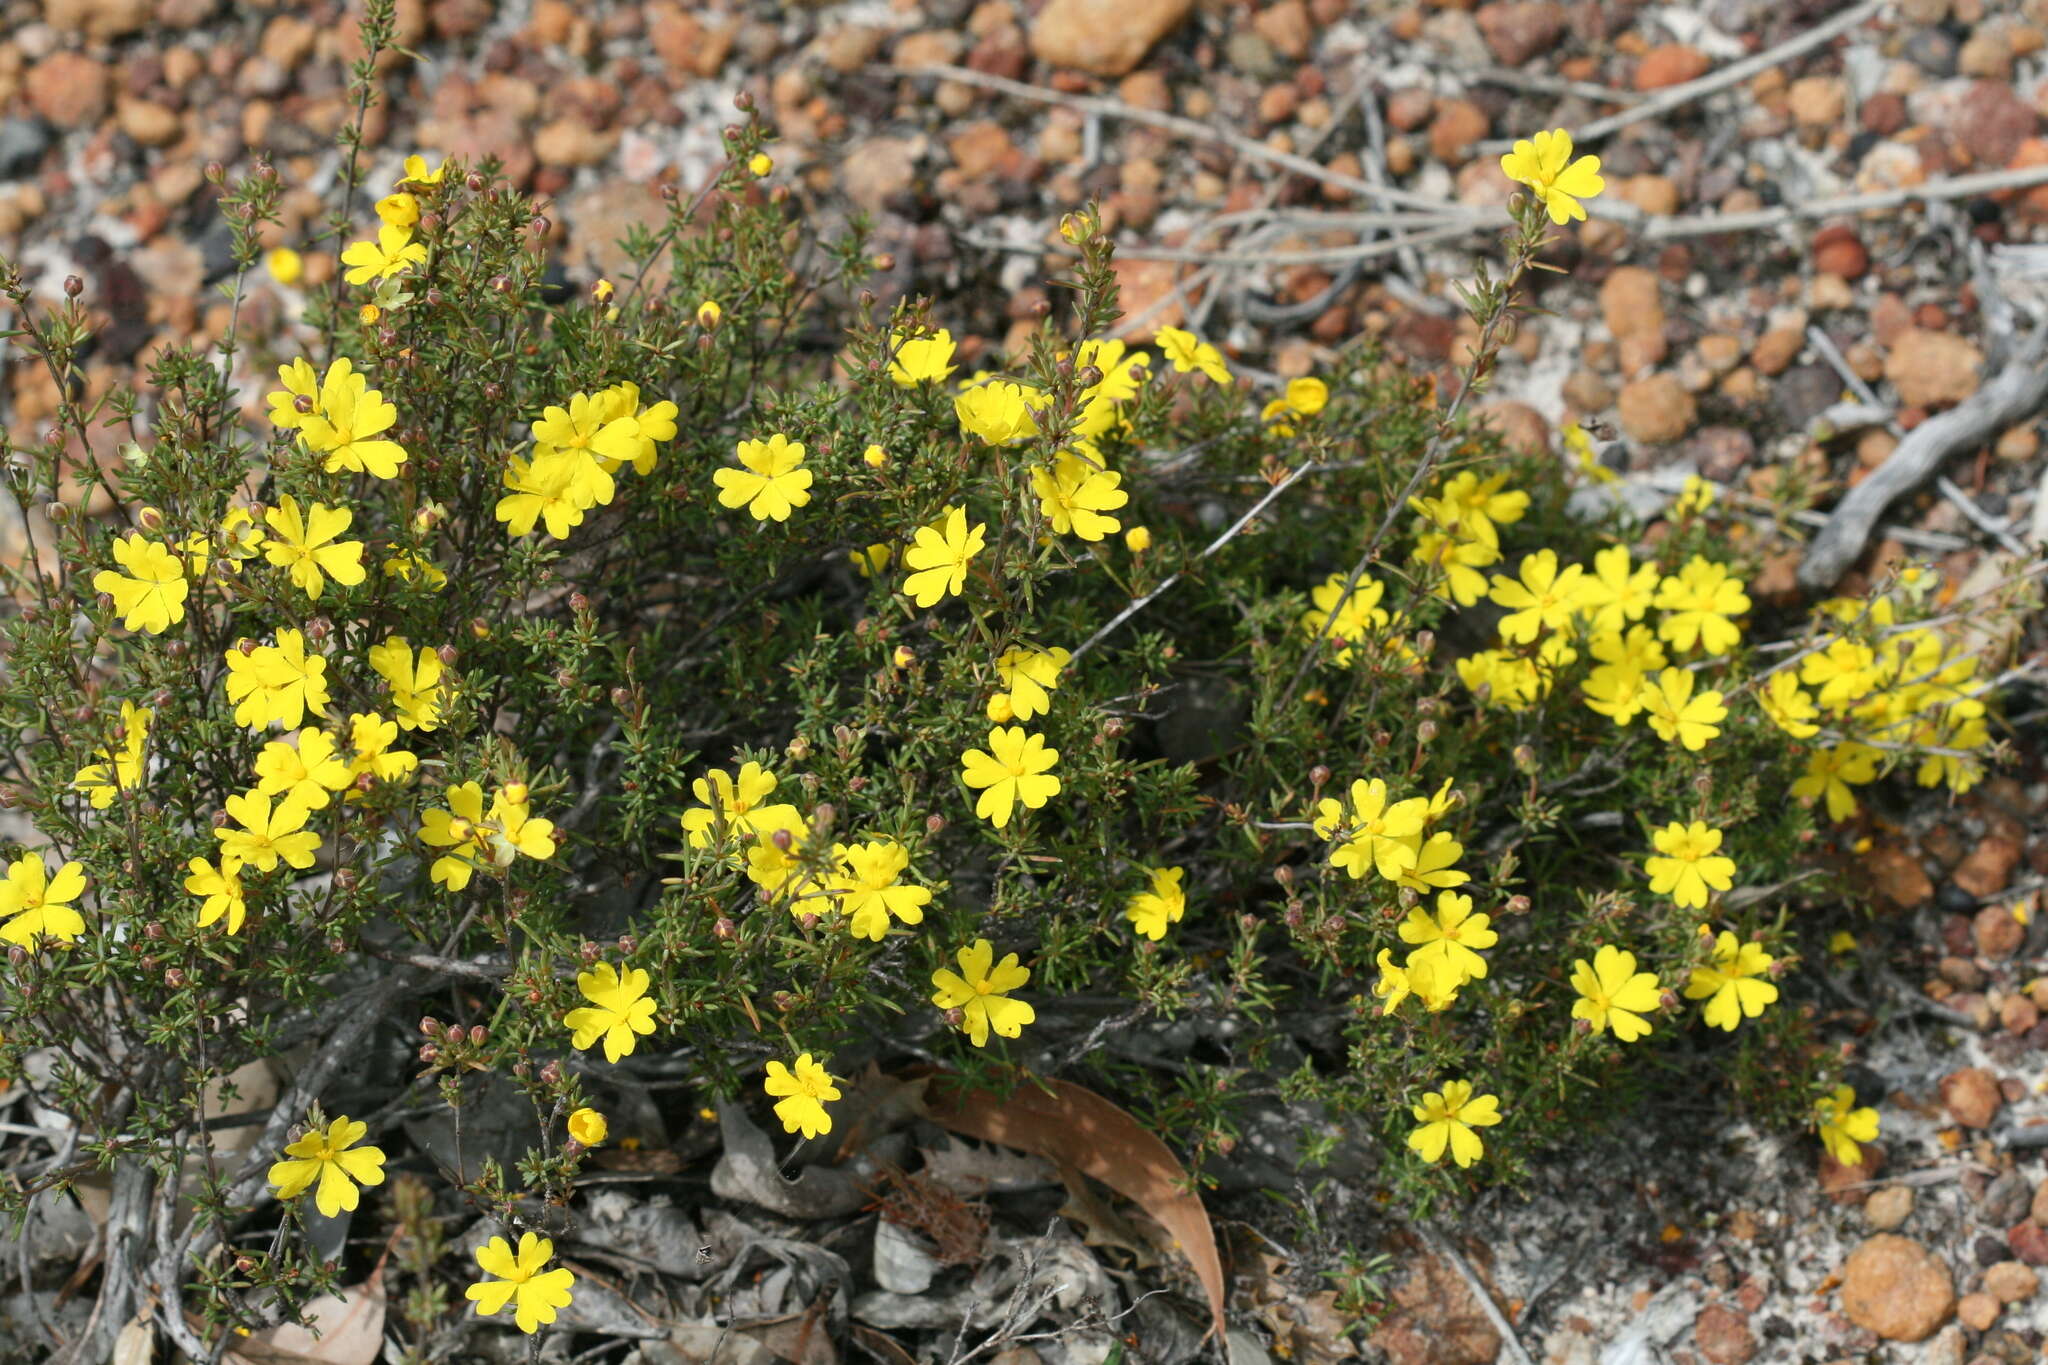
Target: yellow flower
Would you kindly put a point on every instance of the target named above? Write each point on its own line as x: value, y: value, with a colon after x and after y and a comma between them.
x: 150, y: 595
x: 734, y: 809
x: 348, y: 423
x: 602, y: 430
x: 588, y: 1127
x: 276, y: 684
x: 874, y: 457
x: 307, y: 773
x: 779, y: 871
x: 407, y: 565
x: 1845, y: 672
x: 1695, y: 497
x: 300, y: 381
x: 415, y: 681
x: 980, y: 991
x: 1075, y: 496
x: 1542, y: 600
x: 1544, y: 163
x: 306, y: 545
x: 219, y: 890
x: 534, y: 1294
x: 39, y: 905
x: 870, y: 887
x: 284, y: 264
x: 1187, y: 353
x: 1347, y: 623
x: 331, y: 1157
x: 371, y: 736
x: 1163, y: 903
x: 416, y: 172
x: 476, y: 839
x: 1448, y: 941
x: 1028, y: 677
x: 546, y: 488
x: 914, y: 360
x: 997, y: 412
x: 618, y: 1009
x: 392, y: 252
x: 1372, y: 834
x: 872, y: 560
x: 266, y: 834
x: 1420, y: 979
x: 1790, y: 709
x: 1014, y: 769
x: 1483, y: 505
x: 1138, y: 540
x: 773, y: 482
x: 1613, y: 596
x: 1690, y: 865
x: 1613, y: 995
x: 1679, y: 716
x: 1699, y: 602
x: 1843, y: 1127
x: 760, y: 164
x: 399, y: 209
x: 1733, y: 984
x: 939, y: 556
x: 1830, y: 772
x: 709, y: 313
x: 1447, y: 1120
x: 801, y: 1096
x: 1435, y: 863
x: 1587, y: 460
x: 120, y: 770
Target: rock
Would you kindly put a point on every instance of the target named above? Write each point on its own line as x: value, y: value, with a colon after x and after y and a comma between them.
x: 1804, y: 392
x: 1929, y: 368
x: 68, y: 89
x: 1656, y: 409
x: 1777, y: 349
x: 1587, y: 392
x: 1838, y: 251
x: 1287, y: 27
x: 880, y: 167
x: 149, y: 123
x: 98, y: 20
x: 1457, y: 125
x: 1850, y: 1185
x: 1521, y: 427
x: 2011, y: 1282
x: 1888, y: 1209
x: 571, y: 141
x: 1103, y: 37
x: 1896, y: 1288
x: 1988, y: 868
x: 1252, y: 54
x: 1986, y: 54
x: 1410, y: 107
x: 2028, y: 1241
x: 1721, y: 453
x: 1435, y: 1320
x: 1723, y: 1335
x: 1630, y: 302
x: 2039, y: 1211
x: 1971, y: 1096
x: 1977, y: 1311
x: 22, y: 144
x: 1656, y: 195
x: 1670, y: 64
x: 1818, y: 101
x: 982, y: 148
x: 1993, y: 121
x: 1519, y: 31
x: 1897, y: 876
x: 925, y: 48
x: 1997, y: 933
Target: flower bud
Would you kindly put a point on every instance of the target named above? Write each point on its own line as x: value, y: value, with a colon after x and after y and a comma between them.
x: 430, y: 1053
x: 783, y: 840
x: 1668, y: 1000
x: 1318, y: 776
x: 934, y: 824
x: 1115, y: 726
x: 478, y: 1035
x: 220, y: 819
x: 807, y: 921
x: 152, y: 930
x: 956, y: 1016
x: 430, y: 1026
x: 1089, y: 376
x: 551, y: 1074
x: 1425, y: 732
x: 1581, y: 1027
x: 347, y: 878
x: 724, y: 929
x: 589, y: 952
x: 709, y: 314
x: 885, y: 261
x: 1293, y: 915
x: 1138, y: 539
x: 319, y: 629
x: 473, y: 182
x: 175, y: 978
x: 1284, y: 874
x: 1248, y: 922
x: 447, y: 655
x: 73, y: 286
x: 515, y: 792
x: 1516, y: 905
x: 1525, y: 759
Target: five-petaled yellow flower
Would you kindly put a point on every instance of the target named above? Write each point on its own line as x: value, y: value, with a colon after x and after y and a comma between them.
x: 801, y: 1096
x: 150, y: 593
x: 1542, y: 598
x: 736, y: 808
x: 219, y: 890
x: 260, y: 835
x: 618, y: 1009
x: 938, y: 559
x: 331, y: 1157
x: 1014, y: 768
x: 40, y: 905
x: 588, y: 1127
x: 1448, y: 1118
x: 1076, y: 496
x: 1613, y: 995
x: 1160, y: 904
x: 1676, y: 714
x: 1028, y: 677
x: 1544, y: 163
x: 1187, y: 352
x: 1690, y: 864
x: 980, y: 991
x: 1448, y: 942
x: 305, y: 545
x: 915, y: 360
x: 392, y: 252
x: 870, y: 887
x: 1843, y: 1127
x: 534, y: 1293
x: 772, y: 483
x: 1374, y: 834
x: 1735, y: 984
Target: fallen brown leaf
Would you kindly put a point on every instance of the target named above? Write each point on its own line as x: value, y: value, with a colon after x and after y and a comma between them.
x: 1068, y: 1123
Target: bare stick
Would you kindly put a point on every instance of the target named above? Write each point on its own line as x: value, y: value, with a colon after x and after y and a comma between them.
x: 1202, y: 132
x: 1677, y: 96
x: 2017, y: 392
x: 1953, y: 187
x: 1138, y: 604
x: 1326, y: 255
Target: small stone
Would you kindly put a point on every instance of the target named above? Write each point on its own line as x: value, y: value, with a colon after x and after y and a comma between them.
x: 1930, y: 368
x: 878, y: 168
x: 22, y: 144
x: 848, y: 48
x: 1721, y: 453
x: 1520, y: 31
x: 1988, y: 868
x: 1818, y: 101
x: 1777, y: 349
x: 2039, y: 1210
x: 2011, y: 1282
x: 1103, y: 37
x: 1993, y: 122
x: 2021, y: 443
x: 1656, y: 409
x: 1874, y: 447
x: 149, y: 123
x: 1656, y: 195
x: 1287, y: 27
x: 68, y: 89
x: 1804, y: 392
x: 1521, y: 427
x: 1587, y: 392
x: 1977, y: 1311
x: 1409, y: 108
x: 982, y: 148
x: 927, y: 47
x: 1838, y: 251
x: 1896, y: 1288
x: 1997, y: 933
x: 98, y: 19
x: 573, y: 142
x: 1971, y: 1096
x: 1887, y: 1209
x: 1829, y: 292
x: 1458, y: 124
x: 1630, y: 301
x: 1723, y: 1335
x: 1897, y: 876
x: 2017, y: 1015
x: 2028, y: 1241
x: 1670, y: 64
x: 1435, y: 1320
